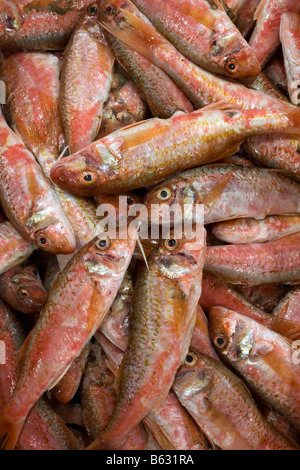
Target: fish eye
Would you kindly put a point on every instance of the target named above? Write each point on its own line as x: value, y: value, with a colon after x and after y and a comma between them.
x: 164, y: 194
x: 230, y: 65
x: 93, y: 10
x: 103, y: 243
x: 171, y: 244
x: 109, y: 9
x: 220, y: 341
x: 89, y: 178
x: 191, y: 359
x: 23, y: 293
x: 41, y: 240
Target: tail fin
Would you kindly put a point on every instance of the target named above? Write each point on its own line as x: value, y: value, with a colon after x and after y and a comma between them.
x: 138, y: 34
x: 10, y: 432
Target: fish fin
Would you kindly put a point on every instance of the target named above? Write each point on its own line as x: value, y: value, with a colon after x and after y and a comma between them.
x: 220, y: 6
x: 138, y: 35
x: 161, y: 399
x: 58, y: 379
x: 259, y: 10
x: 158, y: 432
x: 11, y: 431
x: 227, y: 153
x: 216, y: 192
x: 202, y: 14
x: 112, y: 367
x: 133, y: 136
x: 222, y: 105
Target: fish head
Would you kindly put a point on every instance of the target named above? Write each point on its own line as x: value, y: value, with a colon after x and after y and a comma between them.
x: 182, y: 258
x: 170, y: 200
x: 26, y: 289
x: 234, y: 55
x: 232, y: 334
x: 109, y: 254
x: 110, y: 12
x: 56, y: 238
x: 83, y: 174
x: 194, y: 378
x: 116, y: 207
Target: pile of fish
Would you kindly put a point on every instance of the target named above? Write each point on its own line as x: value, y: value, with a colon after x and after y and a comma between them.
x: 167, y: 343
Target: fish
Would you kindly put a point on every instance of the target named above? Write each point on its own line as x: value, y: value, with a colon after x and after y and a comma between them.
x: 88, y: 284
x: 124, y: 106
x: 201, y: 31
x: 232, y: 7
x: 39, y: 24
x: 244, y: 231
x: 98, y: 395
x: 261, y: 357
x: 237, y: 159
x: 275, y: 262
x: 22, y: 288
x: 12, y: 334
x: 86, y: 77
x: 68, y: 385
x: 173, y: 428
x: 286, y: 315
x: 32, y: 87
x: 14, y: 249
x: 223, y: 407
x: 221, y: 189
x: 245, y: 16
x: 276, y: 150
x: 161, y: 324
x: 264, y: 84
x: 70, y: 413
x: 164, y: 98
x: 169, y: 424
x: 38, y: 215
x: 216, y: 292
x: 290, y: 40
x: 266, y: 296
x: 199, y: 85
x: 33, y: 77
x: 275, y: 71
x: 43, y: 428
x: 265, y: 37
x: 280, y: 423
x: 147, y: 152
x: 200, y: 341
x: 116, y: 324
x: 204, y: 88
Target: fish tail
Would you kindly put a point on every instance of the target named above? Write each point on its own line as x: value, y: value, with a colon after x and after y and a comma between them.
x: 138, y: 34
x: 10, y: 432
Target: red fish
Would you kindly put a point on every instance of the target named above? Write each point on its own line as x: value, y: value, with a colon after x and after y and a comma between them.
x: 22, y: 288
x: 87, y: 286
